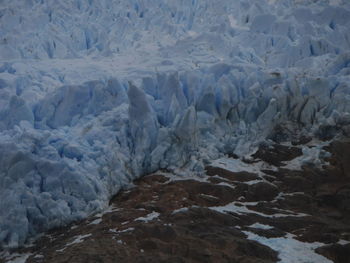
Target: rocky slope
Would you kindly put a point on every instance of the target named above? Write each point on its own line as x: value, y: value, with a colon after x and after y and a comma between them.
x: 261, y: 208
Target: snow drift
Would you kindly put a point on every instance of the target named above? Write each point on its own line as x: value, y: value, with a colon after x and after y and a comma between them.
x: 93, y: 94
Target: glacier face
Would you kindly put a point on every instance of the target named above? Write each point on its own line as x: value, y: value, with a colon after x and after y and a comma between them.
x: 93, y: 94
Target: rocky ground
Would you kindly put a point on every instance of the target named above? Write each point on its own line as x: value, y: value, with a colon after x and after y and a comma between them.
x: 265, y: 208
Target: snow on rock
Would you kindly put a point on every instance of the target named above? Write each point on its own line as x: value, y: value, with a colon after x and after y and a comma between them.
x: 312, y: 155
x: 237, y: 165
x: 241, y: 208
x: 96, y: 221
x: 291, y: 250
x: 148, y: 217
x: 260, y: 226
x: 93, y: 94
x: 77, y: 240
x: 15, y: 257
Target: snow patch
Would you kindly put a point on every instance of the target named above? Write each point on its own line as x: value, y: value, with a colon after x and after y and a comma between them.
x: 148, y: 217
x: 343, y: 242
x: 261, y: 226
x: 122, y: 231
x: 96, y: 221
x: 77, y: 240
x: 291, y: 250
x: 180, y: 210
x: 312, y: 155
x: 237, y: 165
x: 241, y: 208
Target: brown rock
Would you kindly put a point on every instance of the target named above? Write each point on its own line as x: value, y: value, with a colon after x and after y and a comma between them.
x: 337, y: 253
x: 233, y: 176
x: 261, y: 191
x: 342, y: 198
x: 276, y: 154
x: 255, y: 249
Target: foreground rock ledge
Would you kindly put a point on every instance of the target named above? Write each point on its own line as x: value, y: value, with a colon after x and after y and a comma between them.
x: 170, y: 219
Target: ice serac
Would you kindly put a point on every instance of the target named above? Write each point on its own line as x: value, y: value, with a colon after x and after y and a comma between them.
x: 143, y: 130
x: 94, y: 94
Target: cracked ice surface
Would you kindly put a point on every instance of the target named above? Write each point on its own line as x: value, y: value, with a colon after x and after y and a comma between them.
x: 96, y: 93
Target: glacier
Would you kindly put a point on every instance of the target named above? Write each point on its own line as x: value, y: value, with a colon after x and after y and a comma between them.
x: 94, y: 94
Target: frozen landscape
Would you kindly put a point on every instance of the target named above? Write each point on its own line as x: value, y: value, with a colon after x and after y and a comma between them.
x: 94, y: 94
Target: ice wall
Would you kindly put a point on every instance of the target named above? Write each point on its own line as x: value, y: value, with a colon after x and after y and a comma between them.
x: 93, y: 94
